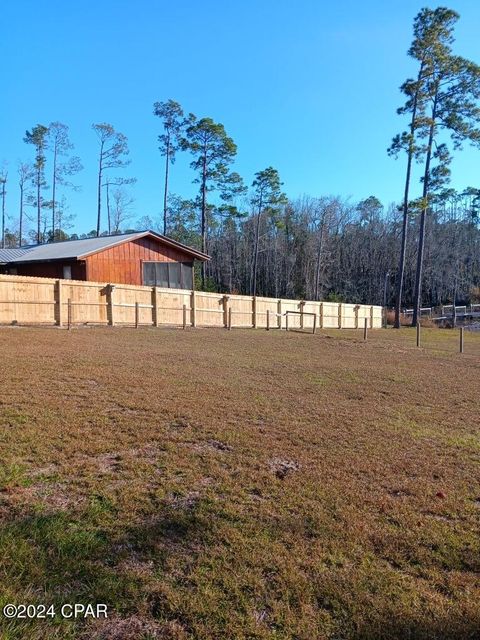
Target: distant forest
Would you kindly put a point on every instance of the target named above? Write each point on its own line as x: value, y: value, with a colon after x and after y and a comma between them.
x: 418, y: 252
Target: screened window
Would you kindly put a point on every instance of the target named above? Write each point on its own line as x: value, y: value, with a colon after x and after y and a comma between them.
x: 174, y: 275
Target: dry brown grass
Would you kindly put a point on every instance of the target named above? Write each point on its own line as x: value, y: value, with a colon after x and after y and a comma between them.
x: 230, y: 485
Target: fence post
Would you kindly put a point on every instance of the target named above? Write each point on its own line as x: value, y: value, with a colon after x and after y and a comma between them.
x: 461, y: 339
x: 371, y: 317
x: 225, y: 311
x: 365, y: 329
x: 320, y: 315
x: 339, y: 315
x: 279, y: 314
x: 357, y: 307
x: 286, y: 321
x: 254, y: 312
x: 59, y: 303
x: 268, y: 319
x: 184, y: 316
x: 69, y: 314
x: 418, y: 333
x: 111, y: 312
x: 314, y: 323
x: 155, y: 307
x: 137, y: 314
x: 193, y: 310
x: 302, y: 305
x: 229, y: 318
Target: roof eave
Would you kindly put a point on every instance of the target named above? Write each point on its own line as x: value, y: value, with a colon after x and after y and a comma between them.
x: 199, y: 254
x: 173, y: 243
x: 65, y: 259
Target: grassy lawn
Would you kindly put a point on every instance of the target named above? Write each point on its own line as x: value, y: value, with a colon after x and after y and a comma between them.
x: 240, y: 485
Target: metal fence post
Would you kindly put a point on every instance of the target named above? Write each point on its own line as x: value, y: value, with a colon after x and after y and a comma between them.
x: 229, y: 318
x: 268, y: 319
x: 418, y: 333
x: 461, y: 339
x: 365, y: 329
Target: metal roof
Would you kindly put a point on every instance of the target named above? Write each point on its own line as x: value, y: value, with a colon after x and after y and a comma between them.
x: 7, y: 255
x: 75, y: 249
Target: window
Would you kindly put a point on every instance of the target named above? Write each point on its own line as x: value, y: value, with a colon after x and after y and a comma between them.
x: 67, y: 272
x: 187, y: 275
x: 172, y: 275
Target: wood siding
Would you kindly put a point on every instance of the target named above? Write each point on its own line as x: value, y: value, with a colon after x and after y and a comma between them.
x: 122, y: 264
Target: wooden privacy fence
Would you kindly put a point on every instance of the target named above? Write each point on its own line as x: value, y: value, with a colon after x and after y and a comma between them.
x: 36, y: 301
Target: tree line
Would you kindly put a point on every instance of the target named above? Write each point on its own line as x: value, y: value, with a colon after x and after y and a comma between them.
x: 422, y: 251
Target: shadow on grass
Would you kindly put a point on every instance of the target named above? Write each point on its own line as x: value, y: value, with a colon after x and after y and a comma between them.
x: 62, y: 557
x: 452, y: 626
x: 74, y: 558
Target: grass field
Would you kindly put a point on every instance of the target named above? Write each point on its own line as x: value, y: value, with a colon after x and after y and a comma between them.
x: 223, y: 485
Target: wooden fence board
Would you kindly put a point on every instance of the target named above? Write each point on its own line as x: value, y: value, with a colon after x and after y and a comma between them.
x: 28, y: 300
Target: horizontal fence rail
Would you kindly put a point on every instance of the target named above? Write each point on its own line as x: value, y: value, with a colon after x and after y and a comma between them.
x: 37, y: 301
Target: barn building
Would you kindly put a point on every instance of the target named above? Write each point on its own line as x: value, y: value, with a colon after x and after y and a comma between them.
x: 141, y: 258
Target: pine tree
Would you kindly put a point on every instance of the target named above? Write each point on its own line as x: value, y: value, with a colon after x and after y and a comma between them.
x: 214, y: 151
x: 174, y: 122
x: 38, y: 138
x: 112, y: 152
x: 267, y: 198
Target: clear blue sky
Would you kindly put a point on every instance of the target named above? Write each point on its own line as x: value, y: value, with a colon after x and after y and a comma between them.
x: 309, y: 87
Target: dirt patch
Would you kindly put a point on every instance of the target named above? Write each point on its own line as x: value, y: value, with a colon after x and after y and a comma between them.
x: 187, y: 501
x: 282, y: 467
x: 51, y: 497
x: 133, y: 628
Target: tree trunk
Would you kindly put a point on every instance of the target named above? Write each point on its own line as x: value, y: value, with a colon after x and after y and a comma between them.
x: 454, y: 310
x: 319, y: 259
x: 421, y: 239
x: 3, y: 212
x: 39, y: 206
x: 406, y: 197
x: 99, y: 190
x: 275, y: 264
x: 165, y: 191
x: 204, y: 216
x: 109, y: 219
x: 253, y: 284
x: 20, y: 222
x: 54, y: 189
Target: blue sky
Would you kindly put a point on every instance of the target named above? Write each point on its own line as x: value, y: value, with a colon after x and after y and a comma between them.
x: 310, y: 87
